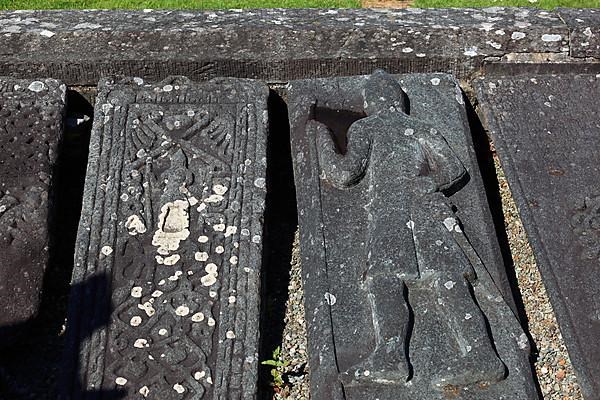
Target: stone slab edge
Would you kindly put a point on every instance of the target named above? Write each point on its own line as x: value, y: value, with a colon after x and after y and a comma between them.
x: 533, y: 235
x: 79, y: 46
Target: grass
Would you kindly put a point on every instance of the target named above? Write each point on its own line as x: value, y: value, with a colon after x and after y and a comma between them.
x: 548, y: 4
x: 194, y: 4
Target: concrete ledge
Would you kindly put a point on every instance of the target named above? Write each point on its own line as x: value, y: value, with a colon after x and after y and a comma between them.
x: 79, y: 47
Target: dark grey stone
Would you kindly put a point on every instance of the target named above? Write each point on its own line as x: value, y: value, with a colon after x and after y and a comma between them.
x: 172, y: 222
x: 31, y: 123
x: 546, y: 130
x: 403, y: 279
x: 584, y: 31
x: 81, y: 46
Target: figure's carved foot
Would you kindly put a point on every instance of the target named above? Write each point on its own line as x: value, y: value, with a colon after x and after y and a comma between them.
x: 387, y: 364
x: 480, y: 366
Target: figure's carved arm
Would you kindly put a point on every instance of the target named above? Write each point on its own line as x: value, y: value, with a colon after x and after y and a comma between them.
x: 342, y: 170
x: 446, y: 169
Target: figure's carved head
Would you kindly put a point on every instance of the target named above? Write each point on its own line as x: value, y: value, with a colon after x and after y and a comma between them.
x: 383, y: 93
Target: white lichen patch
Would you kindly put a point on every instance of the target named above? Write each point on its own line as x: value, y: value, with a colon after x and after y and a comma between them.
x: 551, y: 37
x: 517, y: 35
x: 198, y: 317
x: 203, y: 239
x: 330, y: 299
x: 106, y: 250
x: 220, y: 189
x: 449, y: 285
x: 468, y: 316
x: 231, y: 299
x: 201, y: 256
x: 256, y: 239
x: 135, y: 225
x: 37, y: 86
x: 523, y: 342
x: 140, y: 343
x: 260, y: 183
x: 214, y: 198
x: 233, y: 260
x: 144, y: 391
x: 147, y: 308
x: 211, y: 277
x: 211, y: 322
x: 47, y: 33
x: 136, y: 292
x: 209, y: 280
x: 450, y: 223
x: 121, y: 381
x: 199, y: 375
x: 410, y: 131
x: 157, y: 293
x: 219, y: 227
x: 171, y: 260
x: 162, y: 332
x: 182, y: 310
x: 135, y: 321
x: 471, y: 51
x: 410, y: 225
x: 230, y: 230
x: 219, y: 250
x: 172, y: 226
x: 230, y: 335
x: 435, y: 81
x: 179, y: 388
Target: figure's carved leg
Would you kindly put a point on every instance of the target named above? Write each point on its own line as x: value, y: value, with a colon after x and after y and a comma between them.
x: 391, y: 260
x: 473, y: 360
x: 390, y: 315
x: 471, y: 357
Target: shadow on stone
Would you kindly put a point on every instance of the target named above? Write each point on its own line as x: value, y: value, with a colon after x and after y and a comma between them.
x: 491, y: 185
x: 29, y: 369
x: 281, y: 220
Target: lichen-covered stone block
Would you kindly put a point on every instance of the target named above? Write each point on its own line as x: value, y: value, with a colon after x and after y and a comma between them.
x: 172, y: 219
x: 405, y: 290
x: 584, y: 31
x: 31, y: 123
x: 546, y: 130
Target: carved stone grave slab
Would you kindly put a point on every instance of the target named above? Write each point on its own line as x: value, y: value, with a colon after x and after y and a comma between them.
x: 172, y: 221
x: 405, y: 290
x: 31, y: 123
x: 546, y: 130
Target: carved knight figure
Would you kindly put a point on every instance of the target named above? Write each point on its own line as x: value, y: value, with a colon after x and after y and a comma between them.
x: 409, y: 168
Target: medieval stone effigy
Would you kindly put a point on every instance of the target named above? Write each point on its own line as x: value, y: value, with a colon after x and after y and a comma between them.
x: 31, y: 124
x: 546, y: 130
x: 172, y: 219
x: 405, y: 290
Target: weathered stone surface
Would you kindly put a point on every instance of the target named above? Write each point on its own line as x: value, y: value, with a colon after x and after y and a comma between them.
x: 403, y: 279
x: 81, y: 46
x: 172, y: 218
x: 584, y: 27
x: 546, y: 130
x: 31, y: 122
